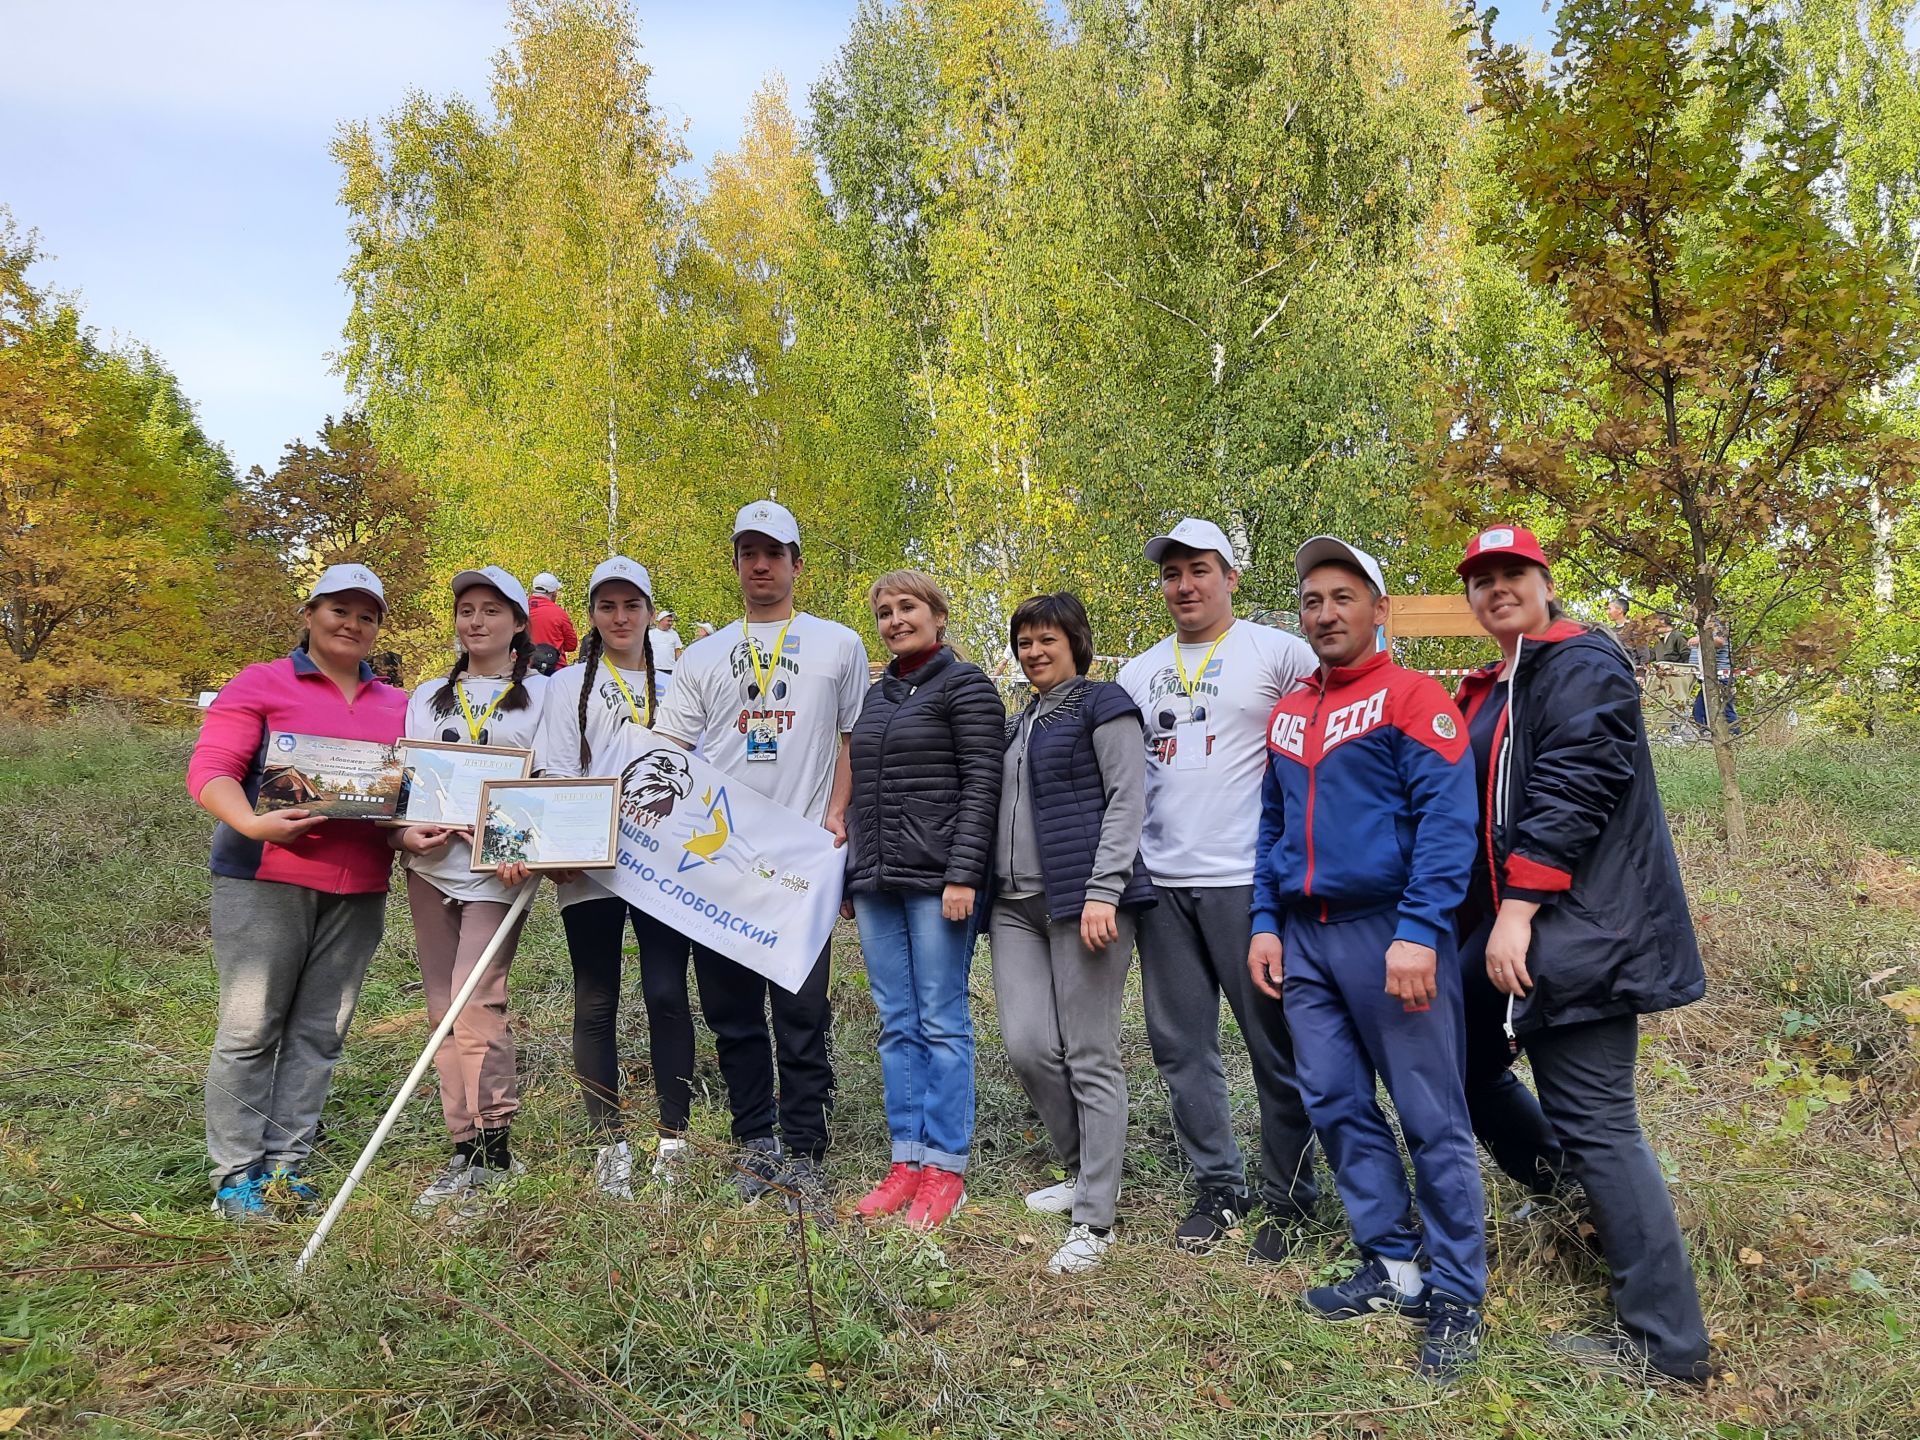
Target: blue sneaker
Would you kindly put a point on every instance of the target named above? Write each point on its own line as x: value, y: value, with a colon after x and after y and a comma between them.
x: 1368, y: 1291
x: 288, y: 1189
x: 244, y: 1200
x: 1452, y: 1341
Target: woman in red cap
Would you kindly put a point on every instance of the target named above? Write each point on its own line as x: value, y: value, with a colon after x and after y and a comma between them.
x: 1579, y: 920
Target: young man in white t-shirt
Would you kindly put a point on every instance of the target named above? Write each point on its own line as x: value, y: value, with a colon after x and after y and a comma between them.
x: 770, y: 700
x: 666, y: 648
x: 1206, y: 693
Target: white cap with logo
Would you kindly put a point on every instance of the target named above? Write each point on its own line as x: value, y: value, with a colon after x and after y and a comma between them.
x: 336, y: 578
x: 769, y: 518
x: 496, y: 577
x: 546, y: 583
x: 1322, y: 548
x: 619, y: 567
x: 1195, y: 535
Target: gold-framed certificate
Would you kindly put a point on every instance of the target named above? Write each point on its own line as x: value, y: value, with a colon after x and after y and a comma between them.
x: 340, y: 779
x: 548, y: 824
x: 441, y: 781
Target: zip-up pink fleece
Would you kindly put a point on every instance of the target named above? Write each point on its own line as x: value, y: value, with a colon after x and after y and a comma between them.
x: 341, y: 857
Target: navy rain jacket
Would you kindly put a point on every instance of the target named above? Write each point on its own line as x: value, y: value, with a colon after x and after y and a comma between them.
x: 1571, y: 818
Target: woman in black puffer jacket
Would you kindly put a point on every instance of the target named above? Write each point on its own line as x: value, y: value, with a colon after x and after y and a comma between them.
x: 1578, y: 924
x: 926, y: 756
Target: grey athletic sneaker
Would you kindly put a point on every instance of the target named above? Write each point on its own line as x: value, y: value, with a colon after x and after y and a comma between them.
x: 805, y: 1186
x: 449, y: 1184
x: 478, y: 1197
x: 757, y: 1168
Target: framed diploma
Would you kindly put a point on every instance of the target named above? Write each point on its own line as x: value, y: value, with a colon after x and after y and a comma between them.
x: 341, y: 779
x: 548, y: 824
x: 441, y: 782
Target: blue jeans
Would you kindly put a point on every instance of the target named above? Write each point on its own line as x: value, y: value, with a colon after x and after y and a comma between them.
x: 917, y: 964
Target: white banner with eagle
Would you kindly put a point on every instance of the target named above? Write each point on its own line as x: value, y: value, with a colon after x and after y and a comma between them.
x: 720, y: 862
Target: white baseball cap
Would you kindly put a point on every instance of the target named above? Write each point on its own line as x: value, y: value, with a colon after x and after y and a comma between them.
x: 1195, y: 535
x: 547, y: 583
x: 1322, y: 548
x: 496, y: 577
x: 336, y: 578
x: 619, y: 567
x: 769, y: 518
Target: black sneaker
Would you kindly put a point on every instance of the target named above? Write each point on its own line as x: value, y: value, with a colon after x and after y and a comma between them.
x: 1454, y: 1329
x: 757, y: 1168
x: 1617, y: 1352
x: 1368, y: 1291
x: 1273, y: 1240
x: 805, y: 1185
x: 1215, y: 1213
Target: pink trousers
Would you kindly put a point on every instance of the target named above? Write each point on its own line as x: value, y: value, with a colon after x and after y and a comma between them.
x: 478, y: 1086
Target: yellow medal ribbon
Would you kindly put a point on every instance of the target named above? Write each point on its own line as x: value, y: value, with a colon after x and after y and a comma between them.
x: 632, y: 709
x: 1205, y: 660
x: 474, y: 727
x: 753, y: 658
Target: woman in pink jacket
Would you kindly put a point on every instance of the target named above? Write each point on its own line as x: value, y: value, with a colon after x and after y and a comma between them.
x: 299, y: 901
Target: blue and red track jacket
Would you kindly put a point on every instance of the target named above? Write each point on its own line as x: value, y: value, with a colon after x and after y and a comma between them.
x: 1368, y: 802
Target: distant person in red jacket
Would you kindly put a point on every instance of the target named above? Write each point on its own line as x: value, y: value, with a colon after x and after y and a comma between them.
x: 548, y: 624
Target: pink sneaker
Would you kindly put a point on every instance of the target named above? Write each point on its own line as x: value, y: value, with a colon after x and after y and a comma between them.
x: 895, y: 1192
x: 941, y: 1193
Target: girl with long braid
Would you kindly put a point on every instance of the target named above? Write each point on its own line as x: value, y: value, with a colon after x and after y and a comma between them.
x: 487, y: 698
x: 612, y: 685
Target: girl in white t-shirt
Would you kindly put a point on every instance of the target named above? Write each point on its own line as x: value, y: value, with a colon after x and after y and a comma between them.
x: 487, y: 698
x: 613, y: 685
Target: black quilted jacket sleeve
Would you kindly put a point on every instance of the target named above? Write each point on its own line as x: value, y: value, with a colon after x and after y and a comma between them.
x: 978, y: 721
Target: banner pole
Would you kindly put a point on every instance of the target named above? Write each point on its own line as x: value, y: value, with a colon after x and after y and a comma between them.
x: 440, y: 1033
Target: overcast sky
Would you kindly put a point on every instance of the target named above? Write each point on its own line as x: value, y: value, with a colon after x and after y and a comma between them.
x: 173, y: 157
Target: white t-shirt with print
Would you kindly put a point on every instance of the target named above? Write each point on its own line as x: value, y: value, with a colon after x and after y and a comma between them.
x: 446, y: 869
x: 819, y: 681
x: 1203, y: 822
x: 556, y: 745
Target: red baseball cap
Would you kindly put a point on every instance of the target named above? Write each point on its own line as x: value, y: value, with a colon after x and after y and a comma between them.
x: 1500, y: 541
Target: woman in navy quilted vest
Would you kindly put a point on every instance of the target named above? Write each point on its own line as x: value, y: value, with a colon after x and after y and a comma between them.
x: 1069, y: 883
x: 925, y: 754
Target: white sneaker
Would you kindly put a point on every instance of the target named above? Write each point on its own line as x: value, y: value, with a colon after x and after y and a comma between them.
x: 449, y: 1184
x: 613, y: 1171
x: 670, y: 1161
x: 1055, y: 1199
x: 1082, y: 1251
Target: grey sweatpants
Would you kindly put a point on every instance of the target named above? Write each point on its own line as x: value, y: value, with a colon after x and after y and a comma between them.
x: 1059, y: 1007
x: 290, y: 962
x: 1193, y: 949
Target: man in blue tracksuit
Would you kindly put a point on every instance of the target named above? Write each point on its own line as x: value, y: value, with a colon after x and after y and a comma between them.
x: 1366, y: 846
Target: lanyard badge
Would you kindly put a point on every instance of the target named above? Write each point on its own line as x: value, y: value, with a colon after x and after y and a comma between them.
x: 1190, y: 738
x: 763, y: 739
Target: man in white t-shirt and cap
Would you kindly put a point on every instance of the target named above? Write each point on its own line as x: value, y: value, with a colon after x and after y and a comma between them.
x: 1206, y: 693
x: 666, y: 647
x: 770, y: 700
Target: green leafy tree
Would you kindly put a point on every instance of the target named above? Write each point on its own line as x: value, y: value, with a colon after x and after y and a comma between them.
x: 114, y: 548
x: 510, y: 329
x: 1707, y: 433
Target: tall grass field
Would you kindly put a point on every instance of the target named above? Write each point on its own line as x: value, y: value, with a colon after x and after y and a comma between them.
x: 1783, y: 1108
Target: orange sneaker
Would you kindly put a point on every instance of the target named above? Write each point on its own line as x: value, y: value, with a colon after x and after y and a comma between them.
x: 941, y: 1193
x: 895, y: 1192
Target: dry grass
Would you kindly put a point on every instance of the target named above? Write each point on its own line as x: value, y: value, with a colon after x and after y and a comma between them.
x: 1775, y: 1105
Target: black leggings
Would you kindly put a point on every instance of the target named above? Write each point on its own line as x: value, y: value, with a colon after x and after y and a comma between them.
x: 596, y: 930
